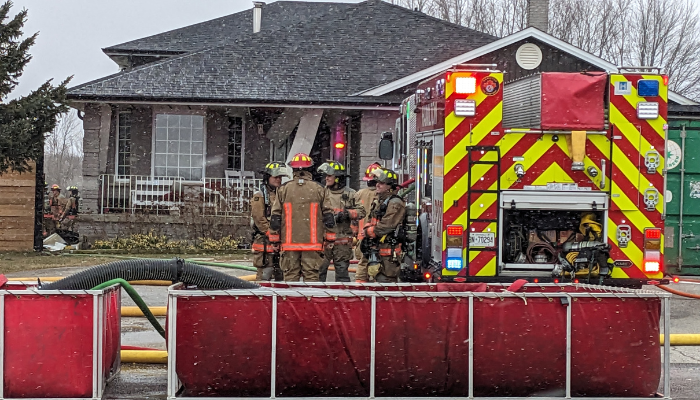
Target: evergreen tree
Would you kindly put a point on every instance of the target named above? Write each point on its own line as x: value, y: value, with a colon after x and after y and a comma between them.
x: 23, y: 121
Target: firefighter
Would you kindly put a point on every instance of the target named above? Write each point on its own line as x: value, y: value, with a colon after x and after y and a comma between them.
x: 364, y: 197
x: 298, y: 217
x: 386, y: 215
x: 265, y: 252
x: 70, y: 211
x: 338, y: 240
x: 56, y: 206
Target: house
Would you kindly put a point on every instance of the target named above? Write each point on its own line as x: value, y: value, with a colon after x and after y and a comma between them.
x: 196, y: 112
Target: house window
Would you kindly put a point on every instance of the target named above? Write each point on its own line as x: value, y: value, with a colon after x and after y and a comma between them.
x: 179, y: 146
x: 124, y: 144
x: 235, y: 144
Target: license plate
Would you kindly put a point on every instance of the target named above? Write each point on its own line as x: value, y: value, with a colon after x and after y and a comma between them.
x: 482, y: 239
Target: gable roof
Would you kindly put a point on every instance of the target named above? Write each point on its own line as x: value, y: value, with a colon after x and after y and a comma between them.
x: 320, y: 60
x: 221, y: 30
x: 496, y: 45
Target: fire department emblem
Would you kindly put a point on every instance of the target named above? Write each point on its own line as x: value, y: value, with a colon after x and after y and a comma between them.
x: 490, y: 85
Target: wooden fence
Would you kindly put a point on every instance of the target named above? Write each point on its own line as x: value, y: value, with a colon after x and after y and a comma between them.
x: 17, y: 192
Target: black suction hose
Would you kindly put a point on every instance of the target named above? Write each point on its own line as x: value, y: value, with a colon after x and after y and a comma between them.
x: 175, y: 270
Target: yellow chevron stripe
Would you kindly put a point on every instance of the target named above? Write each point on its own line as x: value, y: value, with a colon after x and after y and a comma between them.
x: 633, y: 98
x: 489, y: 269
x: 632, y: 134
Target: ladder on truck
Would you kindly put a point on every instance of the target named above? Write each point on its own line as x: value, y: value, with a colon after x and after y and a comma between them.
x: 475, y: 193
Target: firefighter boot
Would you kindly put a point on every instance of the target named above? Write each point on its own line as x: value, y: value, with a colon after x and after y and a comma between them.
x: 341, y: 271
x: 267, y: 273
x: 323, y: 269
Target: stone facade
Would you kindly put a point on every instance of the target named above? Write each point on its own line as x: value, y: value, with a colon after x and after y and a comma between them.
x: 372, y: 124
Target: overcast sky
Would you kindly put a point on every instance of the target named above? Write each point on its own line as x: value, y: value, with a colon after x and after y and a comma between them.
x: 72, y: 33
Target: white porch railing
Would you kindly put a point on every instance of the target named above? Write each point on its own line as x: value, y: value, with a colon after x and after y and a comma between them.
x: 176, y: 196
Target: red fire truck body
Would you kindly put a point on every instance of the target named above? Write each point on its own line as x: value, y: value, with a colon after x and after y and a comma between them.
x: 554, y: 177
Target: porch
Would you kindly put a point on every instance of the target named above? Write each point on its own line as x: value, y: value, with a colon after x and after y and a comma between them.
x: 175, y: 196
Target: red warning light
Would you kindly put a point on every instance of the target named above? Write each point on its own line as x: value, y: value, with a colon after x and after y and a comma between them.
x: 652, y: 233
x: 665, y: 78
x: 427, y: 275
x: 536, y: 280
x: 676, y: 279
x: 454, y: 230
x: 575, y: 280
x: 340, y: 145
x: 556, y: 280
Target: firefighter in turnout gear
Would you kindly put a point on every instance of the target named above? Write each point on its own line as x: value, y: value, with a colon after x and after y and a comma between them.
x: 70, y: 211
x: 57, y: 204
x: 386, y: 229
x: 338, y: 240
x: 265, y: 251
x: 364, y: 197
x: 298, y: 218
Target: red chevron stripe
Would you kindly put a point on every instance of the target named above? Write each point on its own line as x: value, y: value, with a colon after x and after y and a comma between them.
x: 479, y: 262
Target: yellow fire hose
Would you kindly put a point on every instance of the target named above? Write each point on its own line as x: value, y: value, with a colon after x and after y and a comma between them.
x: 145, y: 356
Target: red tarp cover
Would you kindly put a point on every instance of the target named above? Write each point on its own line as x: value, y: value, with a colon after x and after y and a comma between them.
x: 422, y: 345
x: 573, y: 101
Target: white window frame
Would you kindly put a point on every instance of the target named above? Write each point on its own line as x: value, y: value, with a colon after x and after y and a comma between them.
x: 228, y: 133
x: 156, y: 113
x: 116, y: 144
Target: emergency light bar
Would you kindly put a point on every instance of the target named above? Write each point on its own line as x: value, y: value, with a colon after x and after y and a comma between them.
x: 465, y: 85
x: 647, y: 110
x: 465, y: 108
x: 648, y: 87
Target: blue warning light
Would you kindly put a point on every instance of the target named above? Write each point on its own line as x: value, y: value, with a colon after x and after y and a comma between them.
x: 648, y: 87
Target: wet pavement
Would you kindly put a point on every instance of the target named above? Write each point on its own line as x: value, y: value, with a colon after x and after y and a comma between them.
x: 143, y: 381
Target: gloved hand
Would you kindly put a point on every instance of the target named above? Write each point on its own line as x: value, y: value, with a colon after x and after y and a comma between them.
x: 342, y: 216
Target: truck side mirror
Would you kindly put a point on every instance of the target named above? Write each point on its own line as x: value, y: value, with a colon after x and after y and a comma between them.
x: 386, y: 147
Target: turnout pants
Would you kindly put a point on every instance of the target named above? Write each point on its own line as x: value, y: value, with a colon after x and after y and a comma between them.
x: 340, y: 254
x: 296, y: 264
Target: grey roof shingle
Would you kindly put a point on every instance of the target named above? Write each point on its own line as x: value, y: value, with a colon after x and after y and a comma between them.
x: 222, y: 30
x: 321, y: 60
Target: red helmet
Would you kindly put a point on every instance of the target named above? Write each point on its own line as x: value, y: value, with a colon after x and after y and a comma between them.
x: 55, y: 187
x: 301, y: 160
x: 370, y: 169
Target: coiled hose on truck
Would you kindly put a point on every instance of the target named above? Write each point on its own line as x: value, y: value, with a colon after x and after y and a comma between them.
x: 175, y: 270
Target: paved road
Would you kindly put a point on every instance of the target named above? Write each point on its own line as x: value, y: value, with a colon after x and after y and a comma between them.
x: 139, y: 381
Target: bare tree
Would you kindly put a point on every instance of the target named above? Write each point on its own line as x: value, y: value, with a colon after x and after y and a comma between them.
x: 663, y: 33
x: 63, y: 153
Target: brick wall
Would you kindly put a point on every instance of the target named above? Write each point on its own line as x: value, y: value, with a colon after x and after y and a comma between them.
x: 538, y: 14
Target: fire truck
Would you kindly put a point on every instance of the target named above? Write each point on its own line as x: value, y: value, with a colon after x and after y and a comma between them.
x: 554, y: 177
